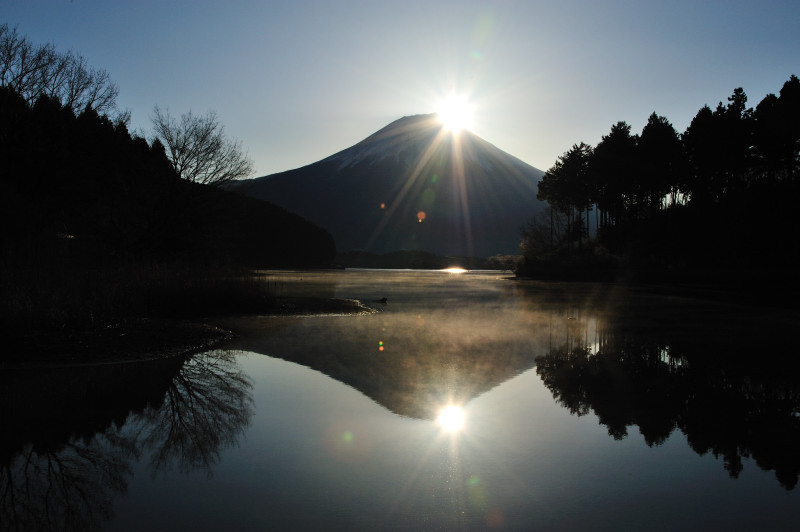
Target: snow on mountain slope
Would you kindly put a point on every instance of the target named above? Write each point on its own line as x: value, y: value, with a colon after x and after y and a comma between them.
x: 408, y: 135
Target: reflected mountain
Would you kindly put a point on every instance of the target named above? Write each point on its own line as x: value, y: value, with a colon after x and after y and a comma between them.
x: 412, y: 363
x: 416, y: 355
x: 72, y: 435
x: 725, y: 377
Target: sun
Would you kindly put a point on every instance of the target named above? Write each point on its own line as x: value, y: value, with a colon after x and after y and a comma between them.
x: 455, y: 113
x: 451, y: 418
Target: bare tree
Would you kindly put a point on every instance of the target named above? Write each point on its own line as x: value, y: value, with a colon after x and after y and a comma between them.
x: 23, y: 66
x: 198, y: 148
x: 87, y: 87
x: 33, y: 72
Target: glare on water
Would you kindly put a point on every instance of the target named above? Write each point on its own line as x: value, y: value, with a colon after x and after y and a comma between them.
x: 451, y: 418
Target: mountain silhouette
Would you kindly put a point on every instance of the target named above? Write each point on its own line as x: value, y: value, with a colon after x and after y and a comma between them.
x: 412, y: 185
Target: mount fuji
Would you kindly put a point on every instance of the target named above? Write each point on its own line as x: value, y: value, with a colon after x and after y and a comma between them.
x: 412, y: 185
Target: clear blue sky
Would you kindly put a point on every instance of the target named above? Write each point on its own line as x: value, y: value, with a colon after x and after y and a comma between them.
x: 296, y: 81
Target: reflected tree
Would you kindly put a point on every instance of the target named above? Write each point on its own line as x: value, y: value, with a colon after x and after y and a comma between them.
x: 206, y: 408
x: 631, y: 368
x: 46, y: 485
x: 620, y: 394
x: 69, y: 489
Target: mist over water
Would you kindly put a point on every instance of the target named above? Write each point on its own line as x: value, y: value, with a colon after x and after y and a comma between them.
x: 569, y: 406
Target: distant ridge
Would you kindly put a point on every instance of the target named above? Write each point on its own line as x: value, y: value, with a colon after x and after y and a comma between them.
x: 412, y: 185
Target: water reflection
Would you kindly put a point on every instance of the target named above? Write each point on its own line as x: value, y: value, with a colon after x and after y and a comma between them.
x: 721, y: 374
x: 205, y: 409
x: 451, y: 418
x: 69, y: 489
x: 724, y: 378
x: 71, y: 436
x: 412, y: 363
x: 439, y: 338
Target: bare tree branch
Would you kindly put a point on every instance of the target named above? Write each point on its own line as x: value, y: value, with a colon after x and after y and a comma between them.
x: 198, y: 148
x: 34, y: 72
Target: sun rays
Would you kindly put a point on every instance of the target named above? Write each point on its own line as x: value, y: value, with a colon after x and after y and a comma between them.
x: 426, y: 164
x: 448, y: 186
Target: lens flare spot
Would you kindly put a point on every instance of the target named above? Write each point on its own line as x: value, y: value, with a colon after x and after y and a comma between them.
x: 383, y: 205
x: 380, y: 346
x: 477, y: 492
x: 495, y: 518
x: 421, y: 216
x: 451, y: 418
x: 347, y: 444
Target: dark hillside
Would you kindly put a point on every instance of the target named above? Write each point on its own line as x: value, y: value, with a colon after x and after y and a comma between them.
x: 99, y: 229
x: 82, y: 185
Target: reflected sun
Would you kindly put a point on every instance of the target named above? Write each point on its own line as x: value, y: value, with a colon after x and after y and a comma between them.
x: 451, y: 418
x: 455, y: 113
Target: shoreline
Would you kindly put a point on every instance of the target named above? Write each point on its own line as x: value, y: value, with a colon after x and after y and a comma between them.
x: 145, y: 339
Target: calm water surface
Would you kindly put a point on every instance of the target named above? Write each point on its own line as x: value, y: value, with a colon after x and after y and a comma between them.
x: 584, y: 407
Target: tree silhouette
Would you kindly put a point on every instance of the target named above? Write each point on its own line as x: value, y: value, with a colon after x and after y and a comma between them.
x: 718, y: 145
x: 566, y: 186
x: 709, y: 205
x: 613, y: 173
x: 777, y: 130
x: 198, y: 148
x: 37, y: 71
x: 661, y: 163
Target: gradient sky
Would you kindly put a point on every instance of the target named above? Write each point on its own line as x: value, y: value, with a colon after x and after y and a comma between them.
x: 297, y: 81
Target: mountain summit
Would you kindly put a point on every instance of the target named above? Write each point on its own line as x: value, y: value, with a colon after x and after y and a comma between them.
x: 412, y: 185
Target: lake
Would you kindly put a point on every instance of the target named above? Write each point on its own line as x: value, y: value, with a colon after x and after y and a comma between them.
x: 572, y: 406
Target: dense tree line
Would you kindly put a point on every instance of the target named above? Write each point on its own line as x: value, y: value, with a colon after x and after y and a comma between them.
x: 100, y: 225
x: 719, y: 195
x: 82, y: 183
x: 196, y: 145
x: 94, y: 220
